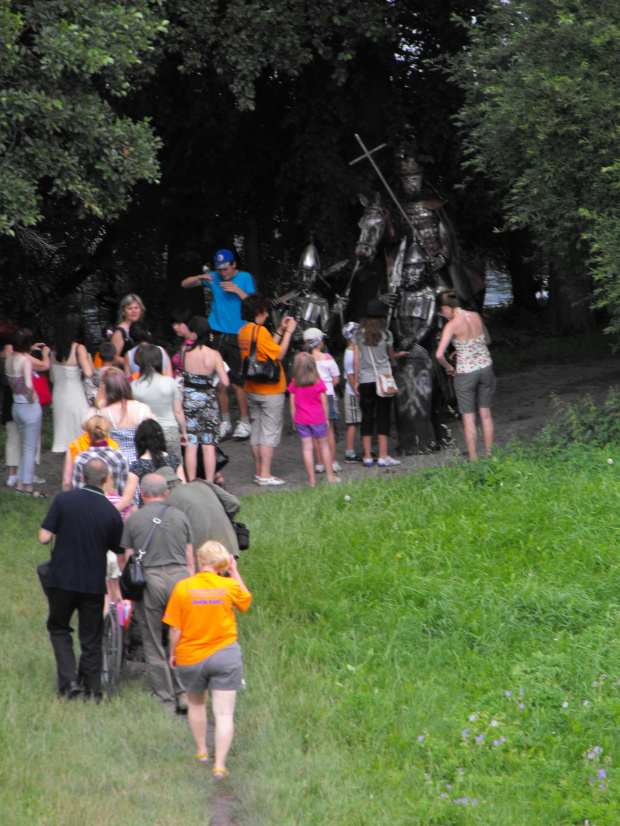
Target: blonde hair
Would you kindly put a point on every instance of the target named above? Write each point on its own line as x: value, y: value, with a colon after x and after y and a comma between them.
x: 126, y: 300
x: 97, y: 428
x: 305, y: 373
x: 213, y: 554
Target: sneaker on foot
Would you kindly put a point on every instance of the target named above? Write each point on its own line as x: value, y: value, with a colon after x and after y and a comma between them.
x: 242, y: 431
x: 319, y: 468
x: 12, y: 481
x: 336, y: 467
x: 38, y: 481
x: 367, y: 462
x: 350, y: 458
x: 267, y: 481
x: 224, y: 430
x: 389, y: 462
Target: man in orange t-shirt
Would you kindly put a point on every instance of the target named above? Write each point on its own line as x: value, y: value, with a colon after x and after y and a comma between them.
x: 204, y: 647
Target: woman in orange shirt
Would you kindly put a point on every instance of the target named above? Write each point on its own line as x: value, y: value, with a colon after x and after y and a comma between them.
x: 265, y: 401
x: 204, y: 647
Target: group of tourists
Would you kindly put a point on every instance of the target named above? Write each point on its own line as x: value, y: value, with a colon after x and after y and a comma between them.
x: 130, y: 423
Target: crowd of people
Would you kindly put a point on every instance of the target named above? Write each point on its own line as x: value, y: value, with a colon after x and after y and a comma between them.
x: 130, y: 422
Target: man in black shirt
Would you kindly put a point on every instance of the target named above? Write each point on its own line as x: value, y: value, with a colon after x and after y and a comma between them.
x: 86, y: 526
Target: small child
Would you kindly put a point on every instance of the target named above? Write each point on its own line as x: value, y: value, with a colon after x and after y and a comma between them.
x: 328, y: 371
x: 352, y: 411
x: 104, y: 358
x: 309, y: 411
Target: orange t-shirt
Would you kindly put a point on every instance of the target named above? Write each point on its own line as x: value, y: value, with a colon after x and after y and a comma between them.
x: 202, y: 607
x: 82, y: 443
x: 266, y: 348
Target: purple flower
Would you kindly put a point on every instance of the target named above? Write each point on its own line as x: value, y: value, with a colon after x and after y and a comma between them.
x: 508, y: 693
x: 460, y: 771
x: 420, y: 738
x: 502, y: 739
x: 602, y: 774
x: 585, y: 702
x: 522, y: 691
x: 590, y: 780
x: 597, y: 750
x: 521, y: 705
x: 595, y: 683
x: 591, y: 755
x: 443, y: 794
x: 448, y: 785
x: 465, y: 733
x: 480, y: 738
x: 472, y: 717
x: 565, y: 704
x: 494, y: 723
x: 474, y: 801
x: 496, y: 742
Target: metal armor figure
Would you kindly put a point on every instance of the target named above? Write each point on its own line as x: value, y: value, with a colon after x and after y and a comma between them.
x: 307, y: 307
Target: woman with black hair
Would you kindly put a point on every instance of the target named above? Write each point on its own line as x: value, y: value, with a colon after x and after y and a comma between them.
x: 202, y: 367
x: 152, y: 454
x: 70, y: 359
x: 139, y: 332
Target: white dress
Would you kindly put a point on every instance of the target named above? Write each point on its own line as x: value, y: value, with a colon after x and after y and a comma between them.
x: 69, y: 405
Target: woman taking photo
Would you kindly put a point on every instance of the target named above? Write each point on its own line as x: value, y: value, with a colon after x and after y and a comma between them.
x: 265, y: 401
x: 474, y: 380
x: 130, y: 309
x: 204, y: 647
x: 70, y: 359
x: 373, y: 349
x: 202, y: 366
x: 26, y: 410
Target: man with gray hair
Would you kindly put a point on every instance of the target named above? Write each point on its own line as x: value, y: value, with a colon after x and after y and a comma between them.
x: 86, y: 525
x: 169, y: 558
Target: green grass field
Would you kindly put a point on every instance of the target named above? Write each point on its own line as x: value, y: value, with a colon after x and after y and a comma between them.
x: 441, y: 648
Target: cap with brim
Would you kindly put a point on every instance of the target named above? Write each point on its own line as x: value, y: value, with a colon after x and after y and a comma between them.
x: 376, y: 309
x: 168, y: 474
x: 223, y: 258
x: 313, y: 334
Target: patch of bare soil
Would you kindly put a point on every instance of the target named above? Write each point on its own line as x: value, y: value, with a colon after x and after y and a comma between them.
x: 523, y: 406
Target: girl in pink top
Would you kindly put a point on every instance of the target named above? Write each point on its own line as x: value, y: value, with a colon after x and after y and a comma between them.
x: 309, y: 411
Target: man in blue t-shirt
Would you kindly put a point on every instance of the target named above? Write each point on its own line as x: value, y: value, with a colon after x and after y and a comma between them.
x: 228, y: 286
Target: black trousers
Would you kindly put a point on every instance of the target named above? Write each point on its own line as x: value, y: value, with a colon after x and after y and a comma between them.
x: 62, y: 604
x: 376, y: 411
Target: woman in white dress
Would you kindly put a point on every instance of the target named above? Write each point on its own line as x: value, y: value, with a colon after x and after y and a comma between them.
x: 70, y: 359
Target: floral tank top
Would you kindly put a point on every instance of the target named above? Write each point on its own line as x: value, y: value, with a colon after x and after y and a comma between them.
x: 472, y: 354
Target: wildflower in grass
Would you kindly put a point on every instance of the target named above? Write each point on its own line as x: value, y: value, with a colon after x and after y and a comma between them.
x: 564, y: 704
x: 443, y: 794
x: 420, y: 738
x: 610, y: 461
x: 472, y: 717
x: 595, y: 683
x: 460, y: 771
x: 521, y: 705
x: 448, y: 785
x: 522, y: 691
x: 585, y: 702
x: 494, y: 723
x: 479, y: 738
x: 602, y: 774
x: 597, y: 750
x: 496, y: 742
x: 502, y: 739
x: 508, y: 693
x: 465, y: 733
x: 347, y: 498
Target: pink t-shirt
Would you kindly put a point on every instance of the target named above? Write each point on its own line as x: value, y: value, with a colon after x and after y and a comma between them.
x: 308, y: 407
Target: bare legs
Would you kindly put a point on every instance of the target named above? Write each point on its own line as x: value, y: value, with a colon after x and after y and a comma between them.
x: 323, y: 450
x: 383, y: 446
x: 242, y: 399
x: 223, y: 703
x: 191, y: 461
x: 262, y: 460
x: 471, y: 435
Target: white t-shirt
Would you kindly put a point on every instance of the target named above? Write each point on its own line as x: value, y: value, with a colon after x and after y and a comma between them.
x: 349, y: 360
x: 327, y: 369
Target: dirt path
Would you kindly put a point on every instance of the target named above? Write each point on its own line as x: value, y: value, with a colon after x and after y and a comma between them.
x: 523, y: 405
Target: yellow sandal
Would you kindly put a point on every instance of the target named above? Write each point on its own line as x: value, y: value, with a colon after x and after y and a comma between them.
x: 202, y: 758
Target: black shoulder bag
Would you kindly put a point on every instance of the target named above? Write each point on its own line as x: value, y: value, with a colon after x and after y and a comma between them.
x: 261, y: 372
x: 133, y: 580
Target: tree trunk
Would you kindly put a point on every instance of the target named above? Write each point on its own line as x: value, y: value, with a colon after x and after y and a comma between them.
x: 521, y: 269
x: 568, y: 308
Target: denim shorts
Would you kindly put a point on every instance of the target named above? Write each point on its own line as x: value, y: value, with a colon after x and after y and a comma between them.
x: 332, y: 403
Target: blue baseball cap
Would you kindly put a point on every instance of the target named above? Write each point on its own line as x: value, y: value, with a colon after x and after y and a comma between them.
x: 223, y: 257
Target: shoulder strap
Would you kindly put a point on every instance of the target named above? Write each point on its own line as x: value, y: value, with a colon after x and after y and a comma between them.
x: 156, y: 522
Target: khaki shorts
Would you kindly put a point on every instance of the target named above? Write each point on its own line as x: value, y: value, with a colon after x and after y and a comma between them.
x: 475, y: 390
x: 222, y: 671
x: 267, y: 417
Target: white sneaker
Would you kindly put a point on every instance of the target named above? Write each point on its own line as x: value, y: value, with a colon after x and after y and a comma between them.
x: 319, y: 468
x: 389, y: 462
x: 336, y: 467
x: 12, y: 481
x: 224, y: 430
x: 38, y: 481
x: 242, y: 431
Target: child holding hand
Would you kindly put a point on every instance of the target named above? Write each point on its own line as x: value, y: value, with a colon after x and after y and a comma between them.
x: 309, y: 411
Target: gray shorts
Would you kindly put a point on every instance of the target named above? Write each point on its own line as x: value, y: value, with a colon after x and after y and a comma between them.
x: 352, y: 412
x: 222, y: 671
x: 475, y: 390
x: 267, y: 417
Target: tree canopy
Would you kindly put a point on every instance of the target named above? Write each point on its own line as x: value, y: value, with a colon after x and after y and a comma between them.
x: 542, y: 84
